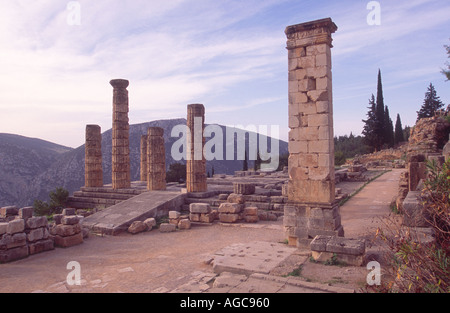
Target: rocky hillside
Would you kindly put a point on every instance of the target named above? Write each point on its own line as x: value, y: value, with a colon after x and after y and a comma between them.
x: 31, y: 168
x: 22, y: 161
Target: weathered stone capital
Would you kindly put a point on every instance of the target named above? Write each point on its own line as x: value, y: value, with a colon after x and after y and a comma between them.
x: 119, y: 83
x: 310, y: 33
x: 196, y: 109
x: 155, y: 131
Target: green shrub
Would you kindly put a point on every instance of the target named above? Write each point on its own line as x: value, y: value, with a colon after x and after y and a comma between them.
x: 58, y: 201
x: 418, y: 266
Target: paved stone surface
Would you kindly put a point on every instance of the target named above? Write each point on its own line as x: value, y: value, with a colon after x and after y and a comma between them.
x: 248, y: 258
x: 119, y: 217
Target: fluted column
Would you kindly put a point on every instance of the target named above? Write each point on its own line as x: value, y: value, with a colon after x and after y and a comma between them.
x: 120, y: 136
x: 196, y: 162
x: 144, y: 171
x: 156, y: 159
x: 93, y: 172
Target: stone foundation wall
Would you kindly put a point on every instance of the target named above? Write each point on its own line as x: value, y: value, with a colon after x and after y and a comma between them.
x: 22, y: 235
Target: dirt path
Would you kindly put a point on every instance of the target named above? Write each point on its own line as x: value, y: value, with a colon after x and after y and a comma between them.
x: 361, y: 214
x: 360, y: 217
x: 129, y: 263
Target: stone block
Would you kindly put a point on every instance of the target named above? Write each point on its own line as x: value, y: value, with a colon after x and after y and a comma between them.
x: 26, y: 213
x: 13, y: 254
x: 40, y: 246
x: 199, y: 208
x: 194, y: 217
x: 228, y: 218
x: 413, y: 211
x: 244, y: 188
x: 319, y: 243
x: 150, y: 222
x: 174, y: 214
x: 69, y: 241
x: 70, y: 220
x: 235, y: 198
x: 137, y: 227
x: 36, y: 222
x: 251, y: 218
x: 15, y: 226
x: 3, y: 228
x: 230, y: 208
x: 68, y: 211
x: 338, y: 245
x: 348, y: 246
x: 251, y: 211
x: 207, y: 218
x: 9, y: 211
x: 184, y: 224
x: 57, y: 218
x: 223, y: 196
x: 13, y: 241
x: 167, y: 228
x: 35, y: 234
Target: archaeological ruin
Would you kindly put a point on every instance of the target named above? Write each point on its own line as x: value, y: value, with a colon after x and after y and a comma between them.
x: 156, y: 159
x: 93, y: 174
x: 120, y: 136
x: 196, y: 162
x: 312, y: 209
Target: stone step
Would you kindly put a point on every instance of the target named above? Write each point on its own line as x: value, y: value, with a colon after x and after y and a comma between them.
x: 103, y: 195
x: 210, y: 201
x: 109, y: 190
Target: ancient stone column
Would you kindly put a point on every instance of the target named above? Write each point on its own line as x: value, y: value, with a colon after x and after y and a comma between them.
x: 120, y: 136
x: 93, y: 172
x: 144, y: 171
x: 312, y: 208
x: 156, y: 159
x: 196, y: 162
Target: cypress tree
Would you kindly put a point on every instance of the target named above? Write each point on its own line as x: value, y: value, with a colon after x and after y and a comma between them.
x: 380, y: 125
x: 388, y: 128
x: 369, y: 131
x: 398, y: 134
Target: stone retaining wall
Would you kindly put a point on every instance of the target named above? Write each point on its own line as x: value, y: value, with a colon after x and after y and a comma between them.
x: 22, y: 235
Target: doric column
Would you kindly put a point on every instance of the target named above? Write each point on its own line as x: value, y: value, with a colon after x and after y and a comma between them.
x: 93, y: 172
x: 156, y: 159
x: 312, y: 209
x: 144, y: 171
x: 120, y: 136
x: 196, y: 162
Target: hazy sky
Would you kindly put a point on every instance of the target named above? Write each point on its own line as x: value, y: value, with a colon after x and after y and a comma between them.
x: 228, y: 55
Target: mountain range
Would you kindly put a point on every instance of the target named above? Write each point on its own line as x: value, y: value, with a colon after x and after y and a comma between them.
x: 30, y: 168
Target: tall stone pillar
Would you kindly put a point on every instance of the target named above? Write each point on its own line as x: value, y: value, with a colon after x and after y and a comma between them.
x: 144, y: 171
x: 93, y: 172
x: 120, y: 136
x: 196, y: 162
x: 156, y: 159
x: 312, y: 209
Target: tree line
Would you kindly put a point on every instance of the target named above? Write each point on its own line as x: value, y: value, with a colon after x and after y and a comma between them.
x: 379, y: 131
